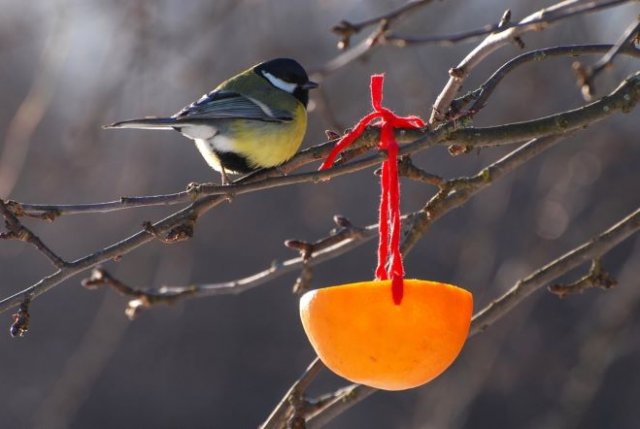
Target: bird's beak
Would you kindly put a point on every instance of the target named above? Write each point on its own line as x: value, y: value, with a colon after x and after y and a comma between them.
x: 309, y: 85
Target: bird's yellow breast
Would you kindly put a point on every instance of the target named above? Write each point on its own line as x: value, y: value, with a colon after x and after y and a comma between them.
x: 268, y: 144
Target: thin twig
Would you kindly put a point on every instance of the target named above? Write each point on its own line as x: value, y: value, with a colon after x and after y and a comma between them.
x: 193, y: 191
x: 454, y: 193
x: 594, y: 248
x: 625, y: 40
x: 499, y: 168
x: 143, y: 299
x: 342, y: 400
x: 596, y: 277
x: 17, y: 231
x: 335, y: 244
x: 450, y: 39
x: 346, y: 29
x: 282, y: 412
x: 623, y: 99
x: 534, y: 22
x: 407, y: 169
x: 587, y: 75
x: 481, y: 95
x: 382, y: 36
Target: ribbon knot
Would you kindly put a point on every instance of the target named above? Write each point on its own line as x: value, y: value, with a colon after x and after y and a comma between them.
x: 389, y: 257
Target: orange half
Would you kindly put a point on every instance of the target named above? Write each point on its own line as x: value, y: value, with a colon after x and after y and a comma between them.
x: 361, y: 335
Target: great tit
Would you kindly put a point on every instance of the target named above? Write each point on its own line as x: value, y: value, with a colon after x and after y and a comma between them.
x: 256, y: 119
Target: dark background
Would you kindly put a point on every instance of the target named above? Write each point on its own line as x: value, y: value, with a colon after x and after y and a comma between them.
x: 224, y: 362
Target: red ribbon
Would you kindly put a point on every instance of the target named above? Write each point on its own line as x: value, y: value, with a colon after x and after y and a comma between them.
x: 389, y: 223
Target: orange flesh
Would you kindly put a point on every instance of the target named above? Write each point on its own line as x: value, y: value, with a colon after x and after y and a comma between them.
x: 361, y: 335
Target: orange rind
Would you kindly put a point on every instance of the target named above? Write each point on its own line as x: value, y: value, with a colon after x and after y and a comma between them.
x: 361, y: 335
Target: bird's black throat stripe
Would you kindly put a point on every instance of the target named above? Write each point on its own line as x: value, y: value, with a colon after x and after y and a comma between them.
x: 234, y: 163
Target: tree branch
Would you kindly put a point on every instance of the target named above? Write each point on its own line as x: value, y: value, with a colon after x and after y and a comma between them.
x: 587, y: 75
x: 17, y: 231
x: 382, y: 36
x: 622, y: 99
x: 454, y: 193
x: 534, y: 22
x: 503, y: 24
x: 593, y: 249
x: 336, y: 244
x: 482, y: 94
x: 346, y: 29
x: 596, y: 277
x: 293, y: 398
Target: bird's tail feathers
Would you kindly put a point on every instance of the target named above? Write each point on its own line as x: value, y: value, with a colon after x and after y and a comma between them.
x: 145, y: 123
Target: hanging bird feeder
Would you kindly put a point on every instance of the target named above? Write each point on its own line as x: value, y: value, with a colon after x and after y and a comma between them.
x: 361, y: 335
x: 390, y: 333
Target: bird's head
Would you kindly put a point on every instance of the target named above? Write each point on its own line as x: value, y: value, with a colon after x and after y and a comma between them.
x: 287, y: 75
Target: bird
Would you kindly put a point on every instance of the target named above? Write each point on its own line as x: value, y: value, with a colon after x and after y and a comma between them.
x: 253, y: 120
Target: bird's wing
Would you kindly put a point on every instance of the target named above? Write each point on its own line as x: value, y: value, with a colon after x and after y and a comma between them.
x: 231, y: 105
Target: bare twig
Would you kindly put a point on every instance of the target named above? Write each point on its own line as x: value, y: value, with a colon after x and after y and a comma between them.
x: 337, y: 243
x: 592, y: 249
x: 142, y: 299
x: 195, y: 191
x: 534, y: 22
x: 586, y: 75
x: 481, y: 95
x: 345, y: 231
x: 548, y: 125
x: 293, y: 399
x: 406, y: 168
x: 382, y: 36
x: 346, y: 29
x: 454, y: 193
x: 402, y: 41
x: 596, y: 277
x: 456, y: 198
x: 503, y: 24
x: 606, y: 334
x: 341, y: 400
x: 17, y: 231
x: 623, y: 98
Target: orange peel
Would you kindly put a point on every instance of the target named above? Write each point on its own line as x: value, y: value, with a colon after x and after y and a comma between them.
x: 361, y: 335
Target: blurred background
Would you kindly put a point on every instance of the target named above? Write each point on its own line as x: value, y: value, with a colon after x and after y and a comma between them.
x: 69, y: 67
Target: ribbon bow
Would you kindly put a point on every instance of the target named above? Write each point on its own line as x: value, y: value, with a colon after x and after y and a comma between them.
x: 389, y: 214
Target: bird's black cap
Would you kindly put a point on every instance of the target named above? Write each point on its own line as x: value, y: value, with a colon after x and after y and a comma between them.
x: 289, y: 71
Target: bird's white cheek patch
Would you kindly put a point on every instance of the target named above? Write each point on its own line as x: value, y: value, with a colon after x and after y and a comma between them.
x: 279, y: 83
